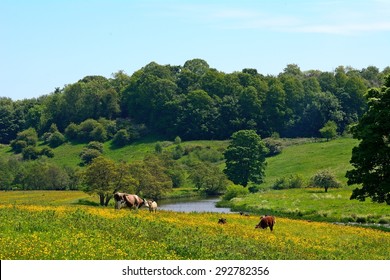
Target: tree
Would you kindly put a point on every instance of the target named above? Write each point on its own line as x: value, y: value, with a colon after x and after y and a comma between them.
x: 371, y: 158
x: 329, y: 130
x: 245, y: 158
x: 208, y: 178
x: 104, y: 177
x: 324, y: 179
x: 151, y: 176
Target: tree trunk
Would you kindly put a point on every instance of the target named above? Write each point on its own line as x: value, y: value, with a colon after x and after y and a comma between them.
x: 101, y: 196
x: 108, y: 198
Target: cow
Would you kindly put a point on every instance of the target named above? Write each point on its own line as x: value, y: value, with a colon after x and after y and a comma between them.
x: 266, y: 221
x: 132, y: 201
x: 152, y: 206
x: 222, y: 221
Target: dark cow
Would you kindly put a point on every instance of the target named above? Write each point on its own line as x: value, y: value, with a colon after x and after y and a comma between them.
x: 222, y: 221
x: 266, y: 221
x: 132, y: 201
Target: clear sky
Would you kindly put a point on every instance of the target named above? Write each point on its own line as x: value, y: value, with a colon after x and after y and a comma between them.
x: 47, y: 44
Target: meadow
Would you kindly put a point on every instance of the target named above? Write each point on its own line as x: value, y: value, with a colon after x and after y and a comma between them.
x: 55, y: 225
x: 305, y: 160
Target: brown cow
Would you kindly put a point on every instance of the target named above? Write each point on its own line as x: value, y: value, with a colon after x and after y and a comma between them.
x: 132, y: 201
x: 266, y: 221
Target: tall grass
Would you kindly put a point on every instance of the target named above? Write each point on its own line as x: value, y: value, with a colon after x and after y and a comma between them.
x: 32, y: 232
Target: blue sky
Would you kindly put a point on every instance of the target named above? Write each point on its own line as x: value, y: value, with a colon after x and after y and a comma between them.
x: 48, y: 44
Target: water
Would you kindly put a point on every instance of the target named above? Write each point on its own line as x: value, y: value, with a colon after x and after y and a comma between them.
x: 192, y: 205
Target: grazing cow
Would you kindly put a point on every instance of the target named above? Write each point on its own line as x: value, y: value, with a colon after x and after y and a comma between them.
x: 152, y: 206
x: 132, y: 201
x: 266, y: 221
x: 222, y: 221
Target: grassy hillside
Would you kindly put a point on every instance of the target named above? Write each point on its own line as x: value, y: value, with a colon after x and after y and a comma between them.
x: 306, y: 159
x: 64, y: 229
x: 311, y: 203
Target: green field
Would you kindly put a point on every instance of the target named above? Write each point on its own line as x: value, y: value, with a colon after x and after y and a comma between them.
x: 40, y: 225
x: 311, y: 203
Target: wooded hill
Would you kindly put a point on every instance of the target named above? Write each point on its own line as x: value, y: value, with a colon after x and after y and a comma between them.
x: 98, y: 116
x: 192, y: 101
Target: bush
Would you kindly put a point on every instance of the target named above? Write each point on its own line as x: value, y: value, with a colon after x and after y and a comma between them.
x: 177, y: 140
x: 18, y: 146
x: 274, y: 146
x: 234, y: 191
x: 210, y: 155
x: 158, y: 148
x: 99, y: 133
x: 290, y: 182
x: 88, y: 155
x: 30, y: 153
x: 324, y: 179
x: 72, y: 131
x: 178, y: 152
x: 208, y: 178
x: 47, y: 152
x: 121, y: 138
x: 254, y: 189
x: 25, y: 138
x: 95, y: 145
x: 178, y: 177
x: 55, y: 139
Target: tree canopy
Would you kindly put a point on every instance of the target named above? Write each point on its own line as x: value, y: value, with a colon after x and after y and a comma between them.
x: 371, y: 158
x: 245, y: 158
x: 194, y: 101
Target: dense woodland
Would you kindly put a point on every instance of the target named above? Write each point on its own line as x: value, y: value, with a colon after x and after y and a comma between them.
x: 192, y: 102
x: 195, y: 101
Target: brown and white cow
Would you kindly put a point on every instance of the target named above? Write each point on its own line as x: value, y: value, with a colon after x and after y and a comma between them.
x: 266, y: 221
x: 132, y: 201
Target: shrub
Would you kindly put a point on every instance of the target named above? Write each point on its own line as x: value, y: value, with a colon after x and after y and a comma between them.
x: 290, y: 182
x: 210, y: 155
x: 208, y: 178
x: 47, y: 152
x: 177, y: 140
x: 30, y: 153
x: 158, y: 148
x: 324, y: 179
x: 18, y: 146
x: 178, y: 177
x: 88, y: 155
x: 25, y: 138
x: 99, y: 133
x: 254, y: 189
x: 72, y: 131
x: 234, y: 191
x: 56, y: 139
x: 121, y: 138
x: 95, y: 145
x: 178, y: 152
x: 274, y: 146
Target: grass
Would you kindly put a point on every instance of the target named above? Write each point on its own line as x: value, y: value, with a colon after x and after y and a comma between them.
x: 308, y: 158
x: 66, y: 232
x: 313, y: 204
x: 308, y: 203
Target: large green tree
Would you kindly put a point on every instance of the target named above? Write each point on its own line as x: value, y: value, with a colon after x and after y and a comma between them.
x: 245, y: 158
x: 104, y: 177
x: 371, y: 158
